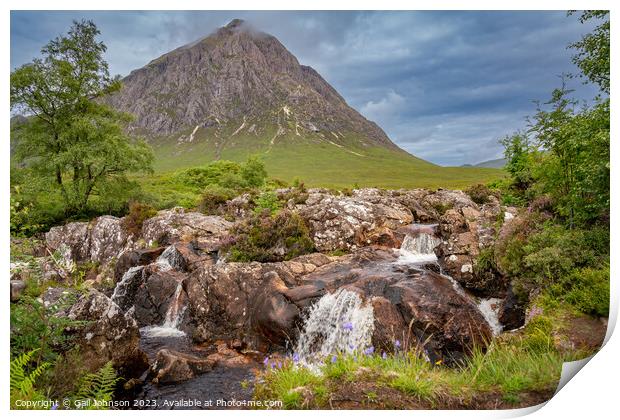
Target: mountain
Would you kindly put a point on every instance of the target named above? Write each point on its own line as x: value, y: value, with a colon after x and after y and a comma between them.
x: 494, y: 163
x: 238, y: 92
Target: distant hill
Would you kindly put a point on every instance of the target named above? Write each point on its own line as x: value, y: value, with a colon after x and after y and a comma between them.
x: 494, y: 163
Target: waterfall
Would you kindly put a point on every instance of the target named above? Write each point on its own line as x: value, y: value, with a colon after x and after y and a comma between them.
x: 489, y: 308
x: 174, y: 316
x: 124, y: 290
x: 170, y: 259
x: 338, y: 322
x: 419, y: 247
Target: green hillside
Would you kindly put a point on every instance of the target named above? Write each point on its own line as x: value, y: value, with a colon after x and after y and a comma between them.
x: 318, y: 160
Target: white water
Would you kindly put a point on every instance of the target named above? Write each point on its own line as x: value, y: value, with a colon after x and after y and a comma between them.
x: 174, y: 316
x: 170, y: 259
x: 120, y: 291
x: 418, y: 249
x: 489, y: 308
x: 338, y: 322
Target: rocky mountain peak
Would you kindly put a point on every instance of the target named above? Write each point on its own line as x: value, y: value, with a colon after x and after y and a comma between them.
x: 240, y: 81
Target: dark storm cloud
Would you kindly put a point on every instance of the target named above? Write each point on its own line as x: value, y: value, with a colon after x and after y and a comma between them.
x: 445, y: 86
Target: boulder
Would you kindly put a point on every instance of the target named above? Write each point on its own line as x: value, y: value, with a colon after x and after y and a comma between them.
x: 100, y: 241
x: 170, y: 226
x: 341, y: 222
x: 412, y: 305
x: 512, y: 311
x: 108, y: 334
x: 173, y: 367
x: 466, y: 231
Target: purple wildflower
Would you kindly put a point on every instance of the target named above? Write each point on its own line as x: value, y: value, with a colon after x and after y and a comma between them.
x: 295, y: 358
x: 54, y: 407
x: 370, y: 350
x: 266, y: 361
x: 397, y: 344
x: 279, y: 365
x: 384, y: 356
x: 273, y: 365
x: 348, y: 326
x: 334, y: 359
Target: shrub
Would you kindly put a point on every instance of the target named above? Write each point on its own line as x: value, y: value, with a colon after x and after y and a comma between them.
x: 138, y: 213
x: 33, y: 326
x: 267, y: 201
x: 213, y: 197
x: 267, y: 238
x: 566, y: 265
x: 589, y: 290
x: 253, y: 172
x: 479, y: 193
x: 210, y: 174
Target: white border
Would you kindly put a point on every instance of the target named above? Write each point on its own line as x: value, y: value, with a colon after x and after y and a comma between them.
x: 592, y: 394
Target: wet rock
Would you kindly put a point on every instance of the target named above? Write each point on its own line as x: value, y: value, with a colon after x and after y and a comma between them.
x: 170, y: 226
x: 133, y: 258
x: 108, y: 334
x: 412, y: 305
x: 228, y: 357
x: 155, y: 295
x: 173, y: 367
x: 512, y: 311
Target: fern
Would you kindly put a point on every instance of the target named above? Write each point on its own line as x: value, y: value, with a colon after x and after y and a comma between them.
x: 22, y: 382
x: 97, y: 388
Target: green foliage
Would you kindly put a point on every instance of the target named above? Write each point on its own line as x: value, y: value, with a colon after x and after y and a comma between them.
x: 518, y: 154
x: 267, y: 202
x: 96, y: 389
x: 71, y: 140
x: 564, y: 155
x: 226, y: 174
x: 253, y: 172
x: 33, y: 326
x: 485, y: 262
x: 588, y: 290
x: 286, y: 385
x: 267, y: 238
x: 442, y: 208
x: 567, y: 265
x: 138, y: 213
x: 23, y: 379
x: 512, y: 365
x: 479, y: 193
x: 213, y: 197
x: 593, y: 53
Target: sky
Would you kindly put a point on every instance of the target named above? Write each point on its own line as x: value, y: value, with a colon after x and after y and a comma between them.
x: 445, y: 86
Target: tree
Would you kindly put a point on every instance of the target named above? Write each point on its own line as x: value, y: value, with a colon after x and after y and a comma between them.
x: 593, y: 55
x: 71, y: 135
x: 517, y: 151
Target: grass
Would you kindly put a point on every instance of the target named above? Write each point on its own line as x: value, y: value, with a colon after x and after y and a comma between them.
x: 320, y: 163
x: 514, y: 365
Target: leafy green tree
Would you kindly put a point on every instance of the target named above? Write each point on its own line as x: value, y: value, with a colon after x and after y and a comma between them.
x: 254, y: 172
x: 71, y: 135
x: 593, y: 56
x: 517, y: 150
